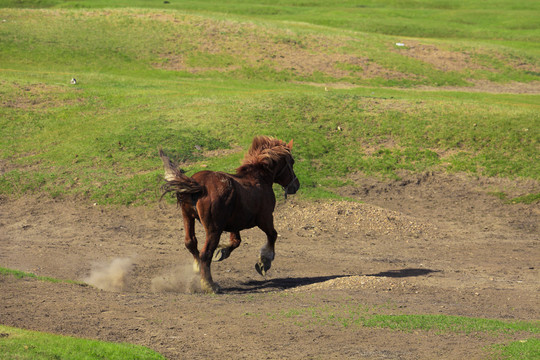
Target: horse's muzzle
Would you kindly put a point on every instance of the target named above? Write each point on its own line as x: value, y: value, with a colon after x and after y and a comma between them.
x: 292, y: 188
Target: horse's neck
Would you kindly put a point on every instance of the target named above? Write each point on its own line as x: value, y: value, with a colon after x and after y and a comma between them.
x: 255, y: 173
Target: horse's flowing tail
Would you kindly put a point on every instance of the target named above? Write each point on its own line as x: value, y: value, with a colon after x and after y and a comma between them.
x: 176, y: 181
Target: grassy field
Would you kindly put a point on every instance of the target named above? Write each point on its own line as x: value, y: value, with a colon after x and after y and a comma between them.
x: 196, y: 77
x: 493, y: 19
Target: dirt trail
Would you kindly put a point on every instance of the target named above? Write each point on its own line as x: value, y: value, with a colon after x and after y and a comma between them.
x: 430, y: 244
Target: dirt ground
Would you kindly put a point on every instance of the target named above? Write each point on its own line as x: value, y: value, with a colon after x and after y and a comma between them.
x: 429, y: 244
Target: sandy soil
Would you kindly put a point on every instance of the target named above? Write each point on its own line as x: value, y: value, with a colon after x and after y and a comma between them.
x: 429, y: 244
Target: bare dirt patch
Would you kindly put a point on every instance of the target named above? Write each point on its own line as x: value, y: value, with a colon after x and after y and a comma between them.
x: 483, y: 86
x: 440, y: 59
x: 491, y: 87
x: 35, y: 96
x: 432, y: 244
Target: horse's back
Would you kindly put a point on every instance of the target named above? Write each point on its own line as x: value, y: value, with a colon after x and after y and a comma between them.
x: 215, y: 182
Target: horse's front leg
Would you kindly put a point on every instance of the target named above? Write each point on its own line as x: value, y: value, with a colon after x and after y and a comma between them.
x: 223, y: 252
x: 205, y: 260
x: 266, y: 255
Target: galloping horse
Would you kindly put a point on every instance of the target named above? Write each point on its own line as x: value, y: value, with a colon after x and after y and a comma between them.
x: 233, y: 202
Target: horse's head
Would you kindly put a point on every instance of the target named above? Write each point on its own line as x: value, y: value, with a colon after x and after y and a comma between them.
x: 275, y: 157
x: 285, y: 175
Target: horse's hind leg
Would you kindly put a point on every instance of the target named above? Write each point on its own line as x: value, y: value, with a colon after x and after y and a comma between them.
x: 223, y: 252
x: 212, y: 241
x: 191, y: 241
x: 202, y: 259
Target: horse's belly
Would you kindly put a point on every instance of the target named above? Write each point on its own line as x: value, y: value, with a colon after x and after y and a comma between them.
x: 240, y: 225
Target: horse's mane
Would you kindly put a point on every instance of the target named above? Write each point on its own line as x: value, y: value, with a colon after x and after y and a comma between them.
x: 265, y: 151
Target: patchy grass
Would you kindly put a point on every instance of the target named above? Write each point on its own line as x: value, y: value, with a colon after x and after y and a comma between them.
x: 350, y: 316
x: 143, y: 40
x: 447, y: 323
x: 525, y: 199
x: 361, y: 315
x: 21, y: 275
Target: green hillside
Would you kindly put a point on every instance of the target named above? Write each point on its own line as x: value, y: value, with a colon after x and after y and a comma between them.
x: 371, y: 89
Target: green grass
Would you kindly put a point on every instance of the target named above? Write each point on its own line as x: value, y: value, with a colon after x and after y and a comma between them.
x: 522, y: 349
x: 199, y: 76
x: 23, y: 344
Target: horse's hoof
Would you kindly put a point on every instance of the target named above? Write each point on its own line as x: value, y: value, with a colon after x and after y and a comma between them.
x: 263, y: 266
x: 210, y: 288
x: 221, y: 254
x: 260, y: 269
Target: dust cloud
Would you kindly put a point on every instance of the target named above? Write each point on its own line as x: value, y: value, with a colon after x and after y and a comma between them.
x: 111, y: 276
x: 177, y: 279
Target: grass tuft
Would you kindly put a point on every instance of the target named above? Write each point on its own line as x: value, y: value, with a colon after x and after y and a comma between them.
x: 21, y: 275
x: 522, y: 349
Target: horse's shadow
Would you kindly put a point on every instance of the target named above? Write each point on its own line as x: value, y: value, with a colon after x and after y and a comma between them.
x: 410, y: 272
x: 290, y: 282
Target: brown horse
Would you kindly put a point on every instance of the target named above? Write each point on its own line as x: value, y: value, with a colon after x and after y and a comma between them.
x: 233, y: 202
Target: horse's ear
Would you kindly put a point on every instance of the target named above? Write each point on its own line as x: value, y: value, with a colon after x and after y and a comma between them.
x: 289, y: 145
